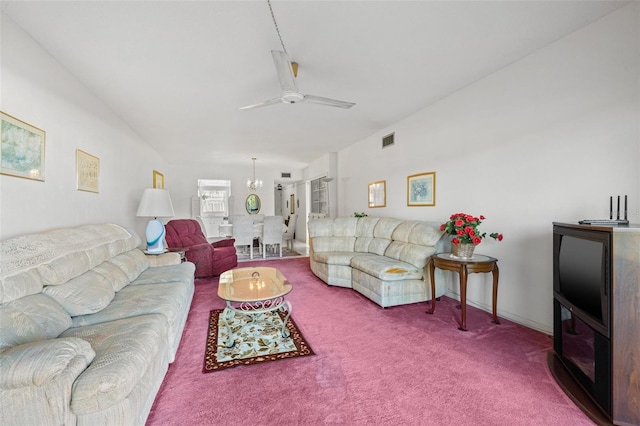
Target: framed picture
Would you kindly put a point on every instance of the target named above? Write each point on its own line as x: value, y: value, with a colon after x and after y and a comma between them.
x: 378, y: 194
x: 87, y: 171
x: 158, y: 180
x: 21, y: 148
x: 421, y: 189
x: 292, y: 203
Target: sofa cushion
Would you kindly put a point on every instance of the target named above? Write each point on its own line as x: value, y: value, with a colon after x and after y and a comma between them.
x: 362, y: 244
x: 132, y: 262
x: 379, y: 246
x: 334, y: 257
x: 414, y: 254
x: 328, y: 244
x: 181, y: 272
x: 30, y: 319
x: 418, y: 232
x: 54, y: 257
x: 385, y: 227
x: 366, y: 226
x: 123, y: 349
x: 23, y: 284
x: 37, y: 363
x: 385, y: 268
x: 169, y: 299
x: 113, y: 274
x: 337, y: 227
x: 86, y: 294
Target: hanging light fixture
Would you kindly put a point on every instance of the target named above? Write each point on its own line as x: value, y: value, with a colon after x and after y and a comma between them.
x: 253, y: 184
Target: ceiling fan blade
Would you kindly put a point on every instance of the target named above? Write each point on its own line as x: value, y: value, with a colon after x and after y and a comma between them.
x: 265, y: 103
x: 326, y: 101
x: 285, y: 72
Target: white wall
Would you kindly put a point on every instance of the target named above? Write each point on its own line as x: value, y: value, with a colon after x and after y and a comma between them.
x: 548, y: 138
x: 36, y: 89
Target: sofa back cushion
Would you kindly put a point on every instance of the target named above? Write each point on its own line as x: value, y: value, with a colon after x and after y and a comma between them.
x: 413, y: 242
x: 364, y: 233
x: 52, y: 258
x: 30, y: 319
x: 132, y: 263
x: 86, y: 294
x: 329, y: 234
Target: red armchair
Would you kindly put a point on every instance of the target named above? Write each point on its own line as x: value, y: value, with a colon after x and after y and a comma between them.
x: 211, y: 259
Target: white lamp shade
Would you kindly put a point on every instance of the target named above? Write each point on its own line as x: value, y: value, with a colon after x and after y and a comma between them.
x: 155, y: 203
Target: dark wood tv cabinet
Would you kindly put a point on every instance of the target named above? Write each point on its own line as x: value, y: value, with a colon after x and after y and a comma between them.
x: 624, y: 312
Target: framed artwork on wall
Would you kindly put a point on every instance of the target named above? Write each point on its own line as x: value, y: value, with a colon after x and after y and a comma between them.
x: 292, y: 204
x: 421, y: 189
x: 158, y: 180
x: 87, y: 172
x: 377, y: 193
x: 22, y: 148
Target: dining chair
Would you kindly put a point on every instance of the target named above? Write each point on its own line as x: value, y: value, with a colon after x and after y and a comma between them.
x: 271, y: 234
x: 243, y: 233
x: 291, y: 230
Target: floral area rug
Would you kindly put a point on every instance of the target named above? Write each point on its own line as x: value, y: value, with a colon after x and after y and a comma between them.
x: 255, y: 342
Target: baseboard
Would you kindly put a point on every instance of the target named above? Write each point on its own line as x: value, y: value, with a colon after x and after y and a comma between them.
x: 543, y: 328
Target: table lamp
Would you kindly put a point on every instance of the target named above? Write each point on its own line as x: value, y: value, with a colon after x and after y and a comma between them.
x: 155, y: 203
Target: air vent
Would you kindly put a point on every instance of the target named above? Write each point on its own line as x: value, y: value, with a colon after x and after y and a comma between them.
x: 388, y: 140
x: 285, y: 175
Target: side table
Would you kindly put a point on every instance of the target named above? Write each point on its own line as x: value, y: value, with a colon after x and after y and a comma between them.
x: 464, y: 266
x: 181, y: 251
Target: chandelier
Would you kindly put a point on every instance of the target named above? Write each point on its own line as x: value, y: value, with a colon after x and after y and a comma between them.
x: 254, y: 184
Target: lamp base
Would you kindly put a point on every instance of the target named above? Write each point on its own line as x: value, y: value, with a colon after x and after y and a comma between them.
x: 155, y: 237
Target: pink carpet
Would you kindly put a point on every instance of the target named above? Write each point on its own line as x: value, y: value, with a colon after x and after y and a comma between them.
x: 372, y: 366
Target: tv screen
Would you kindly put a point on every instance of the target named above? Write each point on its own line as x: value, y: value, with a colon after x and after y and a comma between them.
x: 581, y: 273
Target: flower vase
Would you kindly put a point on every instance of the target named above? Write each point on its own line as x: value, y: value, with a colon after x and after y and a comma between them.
x: 463, y: 251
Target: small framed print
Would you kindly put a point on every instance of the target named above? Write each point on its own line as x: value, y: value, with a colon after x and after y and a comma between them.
x: 377, y: 193
x: 421, y: 189
x: 158, y: 180
x: 87, y: 172
x: 21, y: 148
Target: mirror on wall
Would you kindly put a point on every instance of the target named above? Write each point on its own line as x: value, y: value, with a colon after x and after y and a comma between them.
x: 252, y: 204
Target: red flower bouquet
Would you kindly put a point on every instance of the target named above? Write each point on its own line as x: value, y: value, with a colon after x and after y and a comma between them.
x: 464, y: 228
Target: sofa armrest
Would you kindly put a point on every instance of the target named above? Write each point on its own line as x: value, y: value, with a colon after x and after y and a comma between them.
x: 36, y: 380
x: 38, y: 363
x: 227, y: 242
x: 164, y: 259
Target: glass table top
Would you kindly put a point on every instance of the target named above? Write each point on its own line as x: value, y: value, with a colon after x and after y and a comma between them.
x: 252, y: 284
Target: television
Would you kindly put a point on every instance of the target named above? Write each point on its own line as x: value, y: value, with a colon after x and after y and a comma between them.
x: 582, y: 274
x: 581, y: 291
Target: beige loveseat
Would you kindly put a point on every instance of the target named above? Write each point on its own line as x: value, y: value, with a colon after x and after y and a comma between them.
x: 88, y: 326
x: 382, y: 258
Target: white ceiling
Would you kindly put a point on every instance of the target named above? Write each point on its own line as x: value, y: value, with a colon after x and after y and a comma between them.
x: 178, y: 71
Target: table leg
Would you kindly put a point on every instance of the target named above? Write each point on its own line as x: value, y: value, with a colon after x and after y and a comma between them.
x: 223, y: 316
x: 431, y: 267
x: 463, y: 297
x: 495, y: 274
x: 285, y: 331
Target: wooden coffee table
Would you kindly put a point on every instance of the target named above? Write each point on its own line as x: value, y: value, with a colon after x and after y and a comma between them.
x: 253, y: 292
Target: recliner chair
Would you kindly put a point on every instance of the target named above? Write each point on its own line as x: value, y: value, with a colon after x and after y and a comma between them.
x: 211, y: 259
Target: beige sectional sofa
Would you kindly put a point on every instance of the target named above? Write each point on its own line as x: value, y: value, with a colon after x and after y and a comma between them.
x: 89, y: 325
x: 382, y: 258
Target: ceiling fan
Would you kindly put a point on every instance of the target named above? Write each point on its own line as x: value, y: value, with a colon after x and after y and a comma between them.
x: 290, y: 93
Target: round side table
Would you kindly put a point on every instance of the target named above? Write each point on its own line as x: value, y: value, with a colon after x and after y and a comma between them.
x: 464, y: 267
